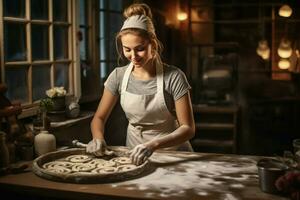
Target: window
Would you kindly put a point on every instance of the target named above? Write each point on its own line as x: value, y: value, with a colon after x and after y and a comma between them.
x: 111, y: 19
x: 37, y: 38
x: 87, y: 43
x: 49, y: 43
x: 99, y: 22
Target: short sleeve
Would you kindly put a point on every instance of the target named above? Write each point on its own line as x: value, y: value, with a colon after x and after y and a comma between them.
x: 179, y: 84
x: 112, y: 83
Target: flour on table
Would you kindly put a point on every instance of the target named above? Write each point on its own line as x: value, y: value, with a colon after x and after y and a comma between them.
x: 198, y: 175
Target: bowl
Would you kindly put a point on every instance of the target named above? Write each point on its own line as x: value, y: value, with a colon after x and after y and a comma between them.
x: 269, y: 170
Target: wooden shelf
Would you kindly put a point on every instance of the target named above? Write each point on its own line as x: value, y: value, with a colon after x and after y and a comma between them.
x: 214, y: 109
x: 216, y: 128
x: 213, y: 143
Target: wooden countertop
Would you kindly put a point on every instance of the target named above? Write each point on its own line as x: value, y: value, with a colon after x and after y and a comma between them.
x: 174, y: 175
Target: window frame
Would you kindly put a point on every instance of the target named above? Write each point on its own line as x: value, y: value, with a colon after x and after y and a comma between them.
x: 30, y: 107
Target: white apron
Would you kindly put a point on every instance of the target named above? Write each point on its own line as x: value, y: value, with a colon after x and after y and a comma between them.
x: 148, y: 115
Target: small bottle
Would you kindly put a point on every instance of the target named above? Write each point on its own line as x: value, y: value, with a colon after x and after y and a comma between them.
x: 44, y: 142
x: 4, y: 154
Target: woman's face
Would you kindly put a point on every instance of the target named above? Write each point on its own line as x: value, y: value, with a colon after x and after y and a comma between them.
x: 136, y: 49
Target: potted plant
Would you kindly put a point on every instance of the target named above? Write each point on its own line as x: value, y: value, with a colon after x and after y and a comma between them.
x: 58, y: 98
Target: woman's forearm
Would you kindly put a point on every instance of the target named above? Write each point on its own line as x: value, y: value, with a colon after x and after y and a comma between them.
x: 104, y: 109
x: 177, y: 137
x: 97, y: 128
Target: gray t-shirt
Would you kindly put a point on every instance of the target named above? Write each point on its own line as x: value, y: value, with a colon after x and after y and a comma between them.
x: 175, y: 84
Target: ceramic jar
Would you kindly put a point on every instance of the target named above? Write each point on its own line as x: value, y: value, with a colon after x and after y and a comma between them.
x: 44, y: 142
x: 4, y: 154
x: 59, y: 103
x: 73, y: 110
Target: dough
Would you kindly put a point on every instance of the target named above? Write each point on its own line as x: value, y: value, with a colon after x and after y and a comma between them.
x: 122, y: 160
x: 82, y: 167
x: 124, y: 168
x: 59, y: 167
x: 87, y: 164
x: 79, y: 158
x: 104, y: 170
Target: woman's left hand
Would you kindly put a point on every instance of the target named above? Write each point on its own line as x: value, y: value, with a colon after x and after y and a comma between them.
x: 140, y: 154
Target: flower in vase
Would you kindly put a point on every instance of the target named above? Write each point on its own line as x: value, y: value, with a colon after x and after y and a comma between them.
x: 56, y: 92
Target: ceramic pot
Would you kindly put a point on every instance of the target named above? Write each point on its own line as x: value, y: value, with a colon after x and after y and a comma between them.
x: 44, y: 142
x: 73, y: 110
x: 59, y: 103
x: 269, y: 170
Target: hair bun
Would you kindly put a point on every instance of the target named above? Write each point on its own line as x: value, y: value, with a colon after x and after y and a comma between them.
x: 138, y: 9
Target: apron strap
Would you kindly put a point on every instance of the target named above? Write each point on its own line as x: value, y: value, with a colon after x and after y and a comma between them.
x: 160, y: 86
x: 125, y: 81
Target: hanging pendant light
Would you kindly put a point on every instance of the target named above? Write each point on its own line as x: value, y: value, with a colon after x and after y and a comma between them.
x: 285, y: 50
x: 181, y: 16
x: 284, y: 63
x: 263, y: 49
x: 285, y: 11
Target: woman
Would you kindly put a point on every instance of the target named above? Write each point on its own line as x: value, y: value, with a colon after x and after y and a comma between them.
x: 154, y: 96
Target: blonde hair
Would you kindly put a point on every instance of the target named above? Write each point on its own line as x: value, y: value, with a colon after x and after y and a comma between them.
x: 140, y: 9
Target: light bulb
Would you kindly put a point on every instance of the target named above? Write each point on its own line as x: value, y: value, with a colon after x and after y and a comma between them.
x: 284, y: 63
x: 285, y: 11
x: 285, y: 49
x: 263, y: 49
x: 181, y: 16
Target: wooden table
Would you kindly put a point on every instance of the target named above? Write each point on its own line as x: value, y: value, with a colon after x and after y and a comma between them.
x: 172, y: 175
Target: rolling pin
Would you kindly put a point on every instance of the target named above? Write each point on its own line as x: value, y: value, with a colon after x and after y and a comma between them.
x: 76, y: 143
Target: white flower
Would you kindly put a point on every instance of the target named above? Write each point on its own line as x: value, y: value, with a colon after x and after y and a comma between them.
x: 56, y: 92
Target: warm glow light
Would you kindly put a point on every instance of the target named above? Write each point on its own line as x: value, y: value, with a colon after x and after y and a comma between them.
x: 285, y: 11
x: 263, y: 49
x: 181, y: 16
x: 285, y: 49
x: 284, y: 64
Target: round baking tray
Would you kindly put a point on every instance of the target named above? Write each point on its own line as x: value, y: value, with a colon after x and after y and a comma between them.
x: 78, y: 177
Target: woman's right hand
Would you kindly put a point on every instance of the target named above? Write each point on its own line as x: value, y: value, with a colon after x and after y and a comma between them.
x: 98, y: 147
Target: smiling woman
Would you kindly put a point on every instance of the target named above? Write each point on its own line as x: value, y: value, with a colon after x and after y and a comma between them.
x: 154, y: 96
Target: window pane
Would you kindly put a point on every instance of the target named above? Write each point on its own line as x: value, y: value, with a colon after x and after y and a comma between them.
x: 60, y: 42
x: 14, y: 8
x: 17, y: 83
x: 83, y: 45
x: 114, y: 28
x: 61, y: 75
x: 39, y: 9
x: 82, y: 13
x: 102, y: 36
x: 112, y: 66
x: 15, y: 42
x: 39, y: 42
x: 116, y: 5
x: 103, y: 70
x: 117, y: 20
x: 87, y: 78
x: 40, y: 81
x: 60, y: 10
x: 112, y: 49
x: 102, y: 4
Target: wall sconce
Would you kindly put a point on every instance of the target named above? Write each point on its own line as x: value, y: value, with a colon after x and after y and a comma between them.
x: 285, y: 50
x: 285, y: 11
x: 181, y: 16
x: 263, y: 49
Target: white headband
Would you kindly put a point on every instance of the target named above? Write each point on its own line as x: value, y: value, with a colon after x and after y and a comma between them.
x: 136, y: 21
